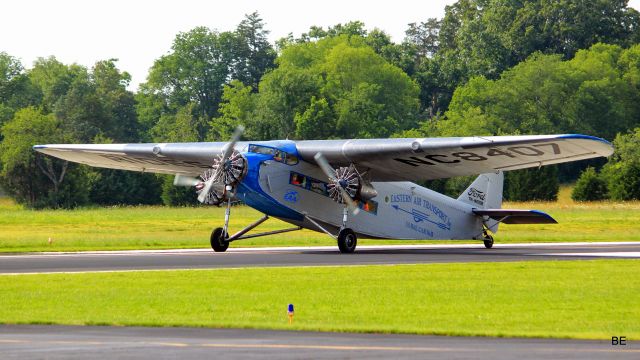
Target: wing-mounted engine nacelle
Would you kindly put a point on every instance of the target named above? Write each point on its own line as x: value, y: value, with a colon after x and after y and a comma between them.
x: 226, y: 174
x: 367, y: 192
x: 352, y: 182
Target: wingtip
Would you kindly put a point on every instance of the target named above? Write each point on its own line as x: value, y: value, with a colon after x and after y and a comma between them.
x: 585, y: 137
x: 607, y: 153
x: 547, y: 216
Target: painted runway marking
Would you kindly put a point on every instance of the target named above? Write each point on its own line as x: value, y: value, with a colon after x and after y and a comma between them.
x: 628, y: 254
x: 246, y: 346
x: 292, y: 346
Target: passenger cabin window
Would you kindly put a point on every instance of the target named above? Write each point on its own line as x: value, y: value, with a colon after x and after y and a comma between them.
x: 320, y: 187
x: 278, y: 155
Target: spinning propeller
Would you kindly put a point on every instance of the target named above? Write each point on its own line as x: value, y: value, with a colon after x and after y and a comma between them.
x: 344, y: 183
x: 227, y: 169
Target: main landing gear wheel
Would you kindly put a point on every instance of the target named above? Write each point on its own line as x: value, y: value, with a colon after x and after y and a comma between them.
x: 219, y: 241
x: 347, y: 241
x: 488, y: 241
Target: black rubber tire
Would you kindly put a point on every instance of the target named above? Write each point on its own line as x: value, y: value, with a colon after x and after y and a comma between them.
x: 488, y: 241
x: 218, y: 242
x: 347, y: 241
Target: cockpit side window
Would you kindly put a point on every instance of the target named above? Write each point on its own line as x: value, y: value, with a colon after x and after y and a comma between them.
x: 278, y: 155
x: 291, y: 159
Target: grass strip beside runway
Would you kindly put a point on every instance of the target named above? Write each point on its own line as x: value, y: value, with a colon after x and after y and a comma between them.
x: 576, y: 299
x: 157, y: 227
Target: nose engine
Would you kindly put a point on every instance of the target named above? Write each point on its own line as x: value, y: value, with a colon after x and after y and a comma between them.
x: 218, y: 182
x: 225, y: 173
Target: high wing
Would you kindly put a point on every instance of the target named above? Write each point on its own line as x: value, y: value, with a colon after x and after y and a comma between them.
x: 171, y: 158
x: 384, y: 159
x: 437, y: 158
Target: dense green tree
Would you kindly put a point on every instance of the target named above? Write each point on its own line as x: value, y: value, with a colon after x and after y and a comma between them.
x: 238, y: 104
x: 334, y: 87
x: 80, y: 109
x: 53, y: 80
x: 118, y: 102
x: 199, y: 65
x: 377, y: 39
x: 254, y: 54
x: 487, y: 37
x: 95, y: 106
x: 182, y: 127
x: 434, y: 73
x: 32, y: 178
x: 177, y: 195
x: 201, y: 62
x: 317, y: 121
x: 532, y: 184
x: 284, y: 92
x: 545, y: 94
x: 117, y: 187
x: 490, y: 36
x: 16, y: 91
x: 590, y: 186
x: 622, y: 172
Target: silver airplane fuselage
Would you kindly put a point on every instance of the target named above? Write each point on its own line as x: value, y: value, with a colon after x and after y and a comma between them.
x: 401, y: 210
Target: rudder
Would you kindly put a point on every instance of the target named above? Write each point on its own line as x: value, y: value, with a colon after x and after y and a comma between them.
x: 485, y: 192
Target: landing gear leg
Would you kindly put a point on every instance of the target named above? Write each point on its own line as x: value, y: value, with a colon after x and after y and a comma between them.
x: 227, y: 214
x: 347, y: 239
x: 219, y: 236
x: 345, y: 217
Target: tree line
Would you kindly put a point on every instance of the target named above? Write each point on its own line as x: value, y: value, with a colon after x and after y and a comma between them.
x: 487, y: 67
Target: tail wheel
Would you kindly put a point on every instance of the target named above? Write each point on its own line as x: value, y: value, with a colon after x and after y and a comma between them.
x: 347, y: 241
x: 488, y: 241
x: 219, y: 241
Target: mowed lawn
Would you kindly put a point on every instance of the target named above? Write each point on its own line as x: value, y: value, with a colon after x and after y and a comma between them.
x: 158, y: 227
x: 593, y: 299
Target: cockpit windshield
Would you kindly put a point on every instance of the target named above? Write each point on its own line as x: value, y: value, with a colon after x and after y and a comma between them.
x: 278, y: 155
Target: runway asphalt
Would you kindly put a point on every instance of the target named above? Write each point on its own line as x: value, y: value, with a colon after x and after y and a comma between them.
x: 90, y: 342
x: 309, y: 256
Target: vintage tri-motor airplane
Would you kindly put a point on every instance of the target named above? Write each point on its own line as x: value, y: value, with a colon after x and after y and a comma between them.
x: 314, y: 184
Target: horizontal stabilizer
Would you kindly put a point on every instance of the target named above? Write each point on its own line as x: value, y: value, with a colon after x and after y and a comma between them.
x: 511, y: 216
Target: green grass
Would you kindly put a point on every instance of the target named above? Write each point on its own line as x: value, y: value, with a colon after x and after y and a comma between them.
x: 573, y: 299
x: 157, y: 227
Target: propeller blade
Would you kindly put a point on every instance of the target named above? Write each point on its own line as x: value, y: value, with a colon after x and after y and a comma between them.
x: 350, y: 203
x: 227, y: 150
x: 324, y: 165
x: 205, y: 191
x: 183, y: 180
x: 331, y: 174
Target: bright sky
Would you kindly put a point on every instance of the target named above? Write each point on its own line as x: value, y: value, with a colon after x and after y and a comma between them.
x: 139, y: 31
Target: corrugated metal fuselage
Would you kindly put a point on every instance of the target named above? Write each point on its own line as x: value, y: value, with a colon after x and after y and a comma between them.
x: 401, y: 210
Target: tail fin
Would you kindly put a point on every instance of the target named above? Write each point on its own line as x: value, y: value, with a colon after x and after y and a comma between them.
x: 485, y: 192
